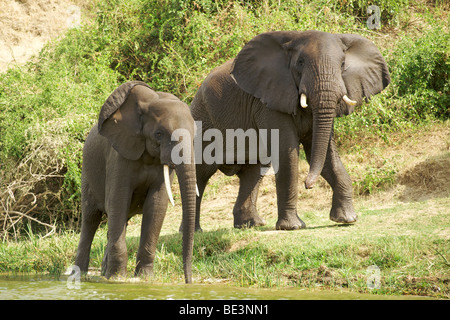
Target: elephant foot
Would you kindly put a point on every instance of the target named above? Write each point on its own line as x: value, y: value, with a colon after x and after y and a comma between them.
x: 249, y: 223
x: 247, y: 218
x: 113, y: 270
x: 114, y: 273
x: 144, y: 271
x: 197, y: 228
x: 291, y: 222
x: 343, y: 214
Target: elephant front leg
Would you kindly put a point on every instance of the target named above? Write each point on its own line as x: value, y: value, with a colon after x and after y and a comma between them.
x: 287, y: 187
x: 116, y: 258
x: 117, y: 205
x: 154, y: 211
x: 334, y: 173
x: 244, y: 211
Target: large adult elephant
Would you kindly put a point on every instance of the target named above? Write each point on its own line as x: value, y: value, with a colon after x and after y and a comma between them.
x: 296, y: 82
x: 128, y: 162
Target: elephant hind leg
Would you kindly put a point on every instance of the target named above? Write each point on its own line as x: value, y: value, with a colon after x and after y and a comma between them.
x: 244, y: 211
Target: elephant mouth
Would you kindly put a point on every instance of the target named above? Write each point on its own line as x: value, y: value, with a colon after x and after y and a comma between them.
x: 346, y: 99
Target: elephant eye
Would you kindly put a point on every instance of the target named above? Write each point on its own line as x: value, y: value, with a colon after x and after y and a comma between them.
x: 300, y: 62
x: 158, y: 134
x: 343, y: 65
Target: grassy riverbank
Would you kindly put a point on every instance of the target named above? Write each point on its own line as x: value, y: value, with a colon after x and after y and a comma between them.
x: 404, y: 231
x: 395, y: 148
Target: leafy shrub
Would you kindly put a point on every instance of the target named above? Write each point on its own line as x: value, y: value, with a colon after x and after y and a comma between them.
x: 391, y: 11
x: 46, y: 109
x: 376, y: 178
x: 420, y: 73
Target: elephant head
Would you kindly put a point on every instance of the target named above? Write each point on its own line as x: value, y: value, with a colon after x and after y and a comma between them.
x: 324, y: 74
x: 140, y: 125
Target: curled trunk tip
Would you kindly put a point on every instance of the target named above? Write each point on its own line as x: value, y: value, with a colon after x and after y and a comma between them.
x: 310, y: 180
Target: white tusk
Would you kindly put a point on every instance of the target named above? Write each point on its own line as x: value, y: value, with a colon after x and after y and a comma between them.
x: 167, y: 183
x: 193, y: 158
x: 303, y: 100
x: 349, y: 101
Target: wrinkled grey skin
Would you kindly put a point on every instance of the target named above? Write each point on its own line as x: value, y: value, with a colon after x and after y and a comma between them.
x: 122, y: 175
x: 261, y: 89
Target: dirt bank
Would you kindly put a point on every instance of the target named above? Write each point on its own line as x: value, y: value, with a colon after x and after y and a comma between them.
x: 26, y: 25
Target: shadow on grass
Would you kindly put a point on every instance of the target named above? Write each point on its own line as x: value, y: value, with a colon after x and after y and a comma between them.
x: 334, y: 225
x: 340, y: 225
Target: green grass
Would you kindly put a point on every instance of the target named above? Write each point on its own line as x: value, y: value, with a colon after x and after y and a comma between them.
x: 405, y: 241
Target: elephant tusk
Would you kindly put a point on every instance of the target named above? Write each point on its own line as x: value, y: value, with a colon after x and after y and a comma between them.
x: 167, y: 183
x: 349, y: 101
x: 196, y: 187
x: 303, y: 100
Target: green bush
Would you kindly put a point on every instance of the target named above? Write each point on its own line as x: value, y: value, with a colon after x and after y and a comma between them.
x: 46, y: 109
x: 172, y: 45
x: 375, y: 179
x: 391, y: 11
x: 420, y: 73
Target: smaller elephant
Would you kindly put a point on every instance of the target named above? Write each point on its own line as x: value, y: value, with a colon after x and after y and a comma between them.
x: 127, y: 169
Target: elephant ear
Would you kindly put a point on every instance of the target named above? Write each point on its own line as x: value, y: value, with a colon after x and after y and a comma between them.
x: 261, y: 69
x: 365, y: 71
x: 119, y: 121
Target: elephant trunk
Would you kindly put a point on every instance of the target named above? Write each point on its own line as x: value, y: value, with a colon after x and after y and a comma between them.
x: 322, y: 130
x: 187, y: 182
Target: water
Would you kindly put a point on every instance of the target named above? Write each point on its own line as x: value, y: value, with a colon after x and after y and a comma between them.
x: 35, y: 287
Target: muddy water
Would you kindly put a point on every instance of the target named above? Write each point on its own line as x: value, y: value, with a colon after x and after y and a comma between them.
x: 34, y: 287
